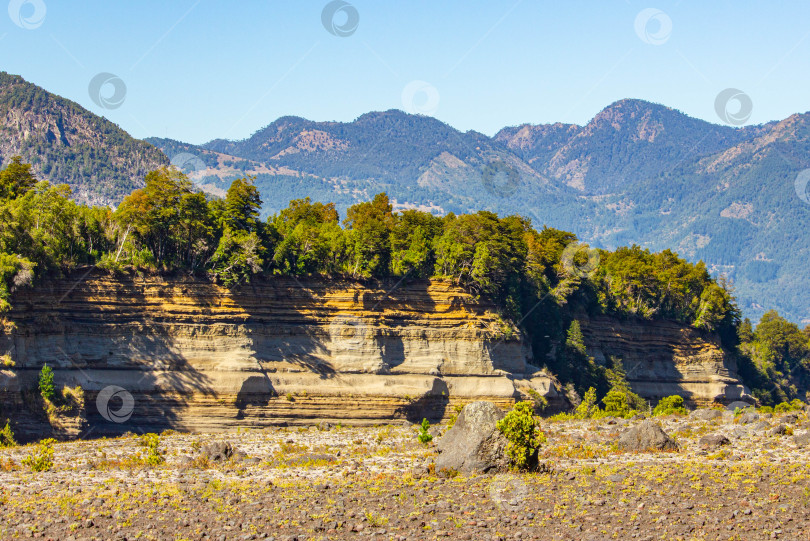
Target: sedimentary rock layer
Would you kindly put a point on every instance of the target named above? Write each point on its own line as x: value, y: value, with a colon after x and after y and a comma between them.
x: 196, y: 356
x: 155, y: 352
x: 663, y: 358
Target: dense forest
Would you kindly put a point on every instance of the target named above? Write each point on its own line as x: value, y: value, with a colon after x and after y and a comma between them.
x: 541, y: 278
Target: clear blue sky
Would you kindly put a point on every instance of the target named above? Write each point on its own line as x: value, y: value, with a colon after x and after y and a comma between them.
x: 197, y: 70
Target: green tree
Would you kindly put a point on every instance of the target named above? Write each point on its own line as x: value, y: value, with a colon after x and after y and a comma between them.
x: 242, y: 206
x: 237, y: 258
x: 46, y: 383
x: 369, y: 226
x: 424, y: 435
x: 155, y: 212
x: 670, y: 405
x: 311, y: 240
x: 16, y: 179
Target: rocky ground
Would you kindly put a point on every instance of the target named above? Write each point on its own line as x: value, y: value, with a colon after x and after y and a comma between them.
x: 378, y: 483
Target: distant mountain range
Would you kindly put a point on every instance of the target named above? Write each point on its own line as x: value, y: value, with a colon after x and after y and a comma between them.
x: 66, y: 143
x: 637, y: 173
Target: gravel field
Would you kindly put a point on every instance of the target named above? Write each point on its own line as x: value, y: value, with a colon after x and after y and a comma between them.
x: 379, y: 483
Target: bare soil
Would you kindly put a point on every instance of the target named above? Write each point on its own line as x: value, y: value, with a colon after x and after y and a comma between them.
x: 377, y: 483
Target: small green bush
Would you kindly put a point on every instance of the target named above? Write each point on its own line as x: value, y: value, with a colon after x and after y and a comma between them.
x: 7, y: 436
x: 41, y: 458
x: 424, y: 436
x: 670, y: 405
x: 46, y: 385
x: 521, y: 430
x: 540, y: 401
x: 785, y: 407
x: 617, y: 404
x: 153, y: 455
x: 588, y: 406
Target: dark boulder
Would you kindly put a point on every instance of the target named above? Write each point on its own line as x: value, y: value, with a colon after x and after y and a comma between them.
x: 474, y: 444
x: 217, y: 451
x: 646, y: 436
x: 713, y: 441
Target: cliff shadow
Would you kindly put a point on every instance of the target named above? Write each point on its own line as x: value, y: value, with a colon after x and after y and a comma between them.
x: 136, y: 378
x: 392, y: 351
x: 431, y: 406
x: 303, y: 347
x: 256, y: 391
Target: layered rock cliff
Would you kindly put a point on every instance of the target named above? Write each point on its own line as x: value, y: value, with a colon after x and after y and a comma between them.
x: 663, y: 358
x: 178, y: 352
x: 183, y: 353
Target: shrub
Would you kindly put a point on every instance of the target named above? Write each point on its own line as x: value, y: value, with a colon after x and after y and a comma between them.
x: 46, y: 385
x: 41, y: 458
x: 670, y: 405
x: 454, y: 417
x: 383, y: 434
x: 521, y: 430
x: 6, y: 361
x: 7, y: 436
x: 617, y: 404
x: 424, y: 436
x: 793, y: 405
x: 153, y: 456
x: 540, y: 402
x: 588, y: 406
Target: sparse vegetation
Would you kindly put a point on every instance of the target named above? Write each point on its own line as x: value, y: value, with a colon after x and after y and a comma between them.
x: 451, y: 422
x: 424, y: 435
x: 540, y: 401
x: 40, y: 459
x: 7, y: 436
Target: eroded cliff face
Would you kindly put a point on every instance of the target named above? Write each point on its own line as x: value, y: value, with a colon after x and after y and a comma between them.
x: 195, y: 356
x: 663, y: 358
x: 178, y: 352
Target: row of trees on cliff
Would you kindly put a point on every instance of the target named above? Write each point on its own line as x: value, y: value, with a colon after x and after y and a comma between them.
x: 539, y: 277
x: 169, y: 225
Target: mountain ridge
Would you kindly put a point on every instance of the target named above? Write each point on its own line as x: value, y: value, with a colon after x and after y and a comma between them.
x: 66, y: 143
